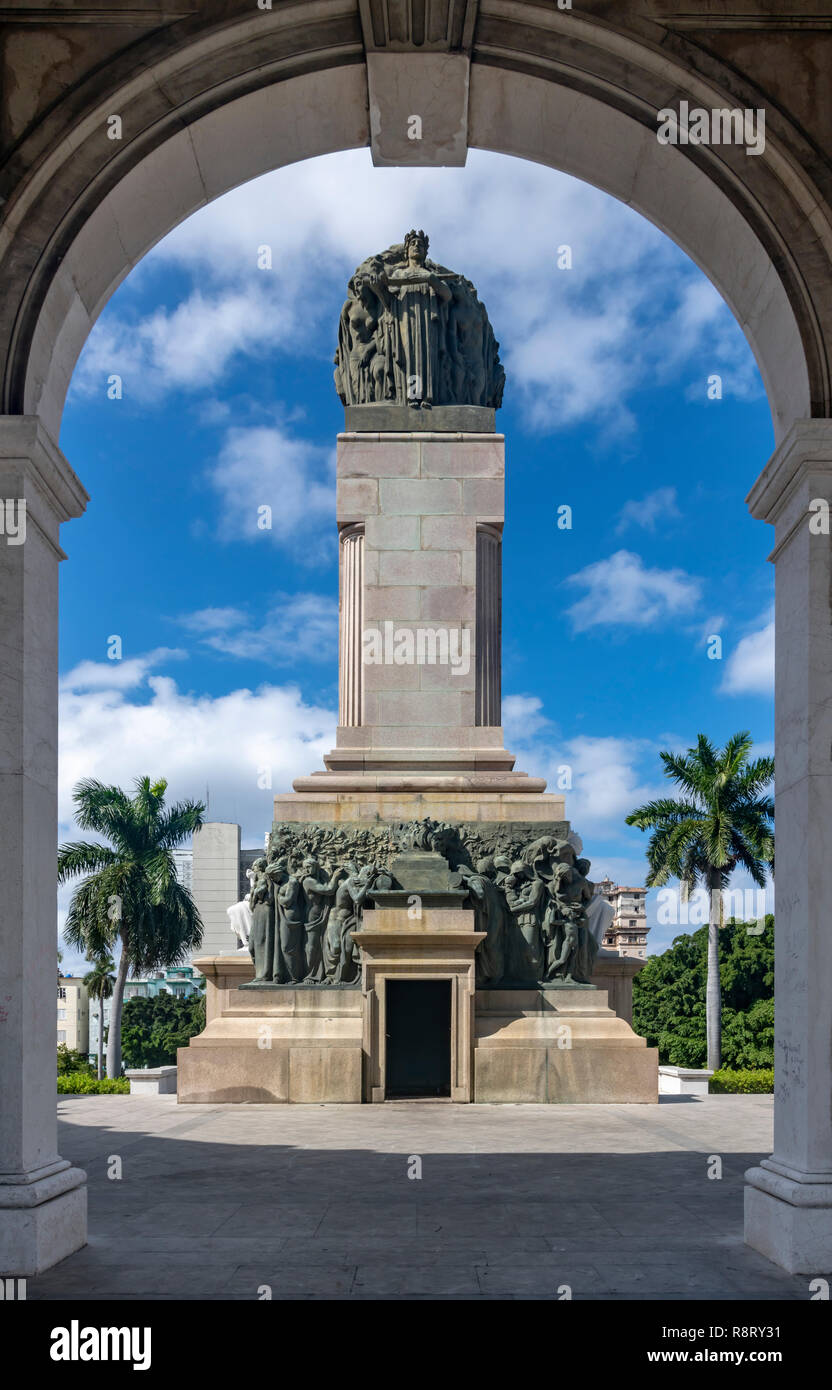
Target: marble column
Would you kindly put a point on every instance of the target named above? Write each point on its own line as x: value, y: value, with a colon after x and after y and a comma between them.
x: 351, y: 625
x: 788, y: 1198
x: 43, y: 1212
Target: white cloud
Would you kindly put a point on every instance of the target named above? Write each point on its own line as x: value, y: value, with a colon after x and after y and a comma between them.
x: 622, y: 590
x: 264, y: 466
x: 119, y: 675
x: 576, y: 342
x: 573, y: 363
x: 213, y: 620
x: 750, y: 667
x: 606, y: 785
x: 221, y: 743
x: 599, y: 776
x: 294, y: 627
x: 522, y: 717
x: 187, y: 348
x: 706, y: 334
x: 648, y: 510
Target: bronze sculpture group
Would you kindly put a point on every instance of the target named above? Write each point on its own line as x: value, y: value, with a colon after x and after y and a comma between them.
x: 303, y: 920
x: 415, y: 333
x: 532, y: 900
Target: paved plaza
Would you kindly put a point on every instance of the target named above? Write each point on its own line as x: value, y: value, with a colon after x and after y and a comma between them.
x: 514, y: 1201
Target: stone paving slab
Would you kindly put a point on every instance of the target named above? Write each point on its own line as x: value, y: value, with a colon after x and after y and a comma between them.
x: 514, y: 1201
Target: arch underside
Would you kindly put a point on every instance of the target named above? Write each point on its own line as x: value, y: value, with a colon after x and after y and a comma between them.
x: 79, y: 224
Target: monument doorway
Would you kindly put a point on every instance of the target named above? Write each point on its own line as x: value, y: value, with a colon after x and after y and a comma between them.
x: 418, y: 1039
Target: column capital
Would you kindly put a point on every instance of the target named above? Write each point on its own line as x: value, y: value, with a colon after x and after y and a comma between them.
x: 805, y: 451
x: 29, y: 453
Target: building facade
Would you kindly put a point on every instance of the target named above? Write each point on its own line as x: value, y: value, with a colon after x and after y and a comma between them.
x: 218, y: 881
x: 73, y: 1013
x: 181, y: 980
x: 95, y: 1017
x: 184, y: 863
x: 627, y: 932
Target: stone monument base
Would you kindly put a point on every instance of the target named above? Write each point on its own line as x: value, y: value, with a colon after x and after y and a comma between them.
x: 556, y: 1044
x: 327, y: 1044
x: 276, y: 1044
x: 353, y: 800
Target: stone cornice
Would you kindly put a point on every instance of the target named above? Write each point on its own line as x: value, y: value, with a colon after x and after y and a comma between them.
x: 807, y: 448
x: 24, y: 440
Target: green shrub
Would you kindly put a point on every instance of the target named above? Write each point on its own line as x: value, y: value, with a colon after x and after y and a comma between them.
x: 728, y: 1082
x: 78, y: 1083
x: 73, y: 1062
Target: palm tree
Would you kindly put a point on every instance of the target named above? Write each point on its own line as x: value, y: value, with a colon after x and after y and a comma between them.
x: 131, y: 895
x: 99, y: 982
x: 723, y: 819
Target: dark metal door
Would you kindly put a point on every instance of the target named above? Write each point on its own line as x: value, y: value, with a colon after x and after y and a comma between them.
x: 418, y: 1039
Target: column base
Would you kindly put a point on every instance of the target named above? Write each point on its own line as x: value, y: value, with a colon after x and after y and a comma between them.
x: 789, y: 1222
x: 42, y: 1221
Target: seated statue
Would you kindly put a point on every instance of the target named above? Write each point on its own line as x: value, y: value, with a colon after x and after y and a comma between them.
x: 239, y: 916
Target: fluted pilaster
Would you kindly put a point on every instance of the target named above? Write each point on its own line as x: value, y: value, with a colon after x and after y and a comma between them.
x: 489, y: 616
x: 351, y: 614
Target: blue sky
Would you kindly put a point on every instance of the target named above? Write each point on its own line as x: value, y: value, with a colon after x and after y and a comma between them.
x: 228, y: 633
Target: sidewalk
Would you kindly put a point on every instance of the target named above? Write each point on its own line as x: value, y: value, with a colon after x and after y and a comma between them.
x: 613, y: 1201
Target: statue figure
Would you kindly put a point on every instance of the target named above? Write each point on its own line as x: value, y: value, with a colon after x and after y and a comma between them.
x: 588, y: 946
x: 340, y: 951
x: 319, y: 895
x: 239, y: 916
x: 289, y: 951
x: 599, y: 915
x: 414, y: 333
x: 412, y: 296
x: 544, y: 853
x: 489, y: 917
x: 261, y: 940
x: 502, y: 869
x: 573, y: 949
x: 524, y: 897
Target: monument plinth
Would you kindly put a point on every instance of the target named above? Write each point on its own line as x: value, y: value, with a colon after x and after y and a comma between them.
x: 422, y: 924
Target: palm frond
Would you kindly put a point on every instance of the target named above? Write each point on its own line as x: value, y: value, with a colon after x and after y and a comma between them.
x: 80, y: 857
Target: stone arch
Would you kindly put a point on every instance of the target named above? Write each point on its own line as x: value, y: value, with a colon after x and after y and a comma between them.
x: 211, y: 97
x: 206, y: 121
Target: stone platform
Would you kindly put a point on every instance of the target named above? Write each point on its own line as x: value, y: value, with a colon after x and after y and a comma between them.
x: 326, y: 1044
x: 378, y: 798
x: 277, y: 1044
x: 558, y: 1045
x: 513, y: 1202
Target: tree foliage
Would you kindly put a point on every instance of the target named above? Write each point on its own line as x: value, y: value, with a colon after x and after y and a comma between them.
x: 131, y: 894
x: 669, y: 998
x: 153, y: 1028
x: 721, y: 819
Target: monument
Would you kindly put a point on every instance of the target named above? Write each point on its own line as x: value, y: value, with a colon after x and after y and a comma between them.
x: 422, y: 924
